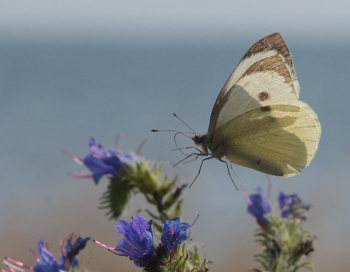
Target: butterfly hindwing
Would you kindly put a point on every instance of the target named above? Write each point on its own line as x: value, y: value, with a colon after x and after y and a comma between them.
x: 279, y: 140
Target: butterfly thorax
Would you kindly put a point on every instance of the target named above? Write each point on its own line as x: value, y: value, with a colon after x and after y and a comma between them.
x: 208, y: 146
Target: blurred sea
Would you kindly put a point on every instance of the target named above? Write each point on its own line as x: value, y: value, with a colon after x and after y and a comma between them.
x: 54, y: 96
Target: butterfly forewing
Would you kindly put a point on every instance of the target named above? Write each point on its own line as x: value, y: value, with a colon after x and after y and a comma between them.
x: 272, y: 45
x: 268, y: 46
x: 275, y: 42
x: 266, y: 82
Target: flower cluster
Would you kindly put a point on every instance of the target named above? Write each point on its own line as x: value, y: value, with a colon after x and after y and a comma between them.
x: 130, y: 174
x: 283, y: 238
x: 158, y: 245
x: 138, y: 243
x: 46, y: 261
x: 291, y: 206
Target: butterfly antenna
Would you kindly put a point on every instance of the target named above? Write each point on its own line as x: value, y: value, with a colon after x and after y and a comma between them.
x: 183, y: 122
x: 174, y: 131
x: 174, y: 138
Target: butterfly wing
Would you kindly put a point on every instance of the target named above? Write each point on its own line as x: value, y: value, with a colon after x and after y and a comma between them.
x: 258, y: 120
x: 266, y: 82
x: 275, y: 43
x: 279, y: 140
x: 270, y: 46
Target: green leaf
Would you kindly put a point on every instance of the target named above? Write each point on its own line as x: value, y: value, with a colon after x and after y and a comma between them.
x: 177, y: 211
x: 116, y: 197
x: 172, y: 198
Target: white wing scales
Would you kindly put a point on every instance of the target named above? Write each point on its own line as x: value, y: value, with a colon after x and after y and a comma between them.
x: 243, y: 67
x: 269, y: 46
x: 280, y: 141
x: 266, y: 82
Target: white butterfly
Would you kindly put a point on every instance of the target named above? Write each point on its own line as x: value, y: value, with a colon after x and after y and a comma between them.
x: 258, y: 120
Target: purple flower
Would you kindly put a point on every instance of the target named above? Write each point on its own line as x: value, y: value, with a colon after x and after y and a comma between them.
x: 137, y: 243
x: 102, y: 162
x: 292, y: 206
x: 259, y: 206
x: 47, y: 262
x: 174, y: 233
x: 286, y: 203
x: 72, y: 249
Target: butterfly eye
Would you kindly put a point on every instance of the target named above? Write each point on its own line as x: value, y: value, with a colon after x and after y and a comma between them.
x: 196, y: 139
x: 199, y: 139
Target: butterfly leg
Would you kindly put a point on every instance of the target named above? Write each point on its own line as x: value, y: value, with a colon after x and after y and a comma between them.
x: 186, y: 148
x: 229, y: 172
x: 189, y: 156
x: 199, y: 171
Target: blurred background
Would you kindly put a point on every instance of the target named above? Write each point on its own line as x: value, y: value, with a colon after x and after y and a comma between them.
x: 74, y: 69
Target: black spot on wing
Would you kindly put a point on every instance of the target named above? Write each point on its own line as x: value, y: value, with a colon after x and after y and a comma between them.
x: 263, y: 96
x: 265, y: 108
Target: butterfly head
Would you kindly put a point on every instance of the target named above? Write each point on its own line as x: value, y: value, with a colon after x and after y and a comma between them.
x: 201, y: 140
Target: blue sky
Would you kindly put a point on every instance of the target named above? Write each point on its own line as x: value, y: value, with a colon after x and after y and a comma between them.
x: 196, y: 19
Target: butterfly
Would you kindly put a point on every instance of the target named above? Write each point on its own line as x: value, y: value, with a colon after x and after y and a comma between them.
x: 257, y: 120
